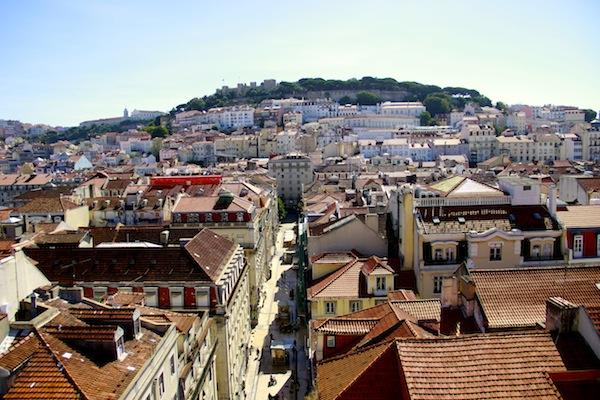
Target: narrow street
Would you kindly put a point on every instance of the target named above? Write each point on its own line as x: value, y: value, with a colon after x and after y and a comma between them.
x: 263, y: 378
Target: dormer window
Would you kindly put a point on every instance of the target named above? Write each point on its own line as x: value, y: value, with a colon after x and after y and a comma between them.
x: 121, y: 348
x: 380, y: 283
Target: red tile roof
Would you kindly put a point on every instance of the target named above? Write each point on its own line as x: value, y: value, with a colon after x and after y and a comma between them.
x: 485, y: 366
x: 517, y: 297
x: 43, y: 377
x: 211, y: 251
x: 346, y: 326
x: 492, y: 366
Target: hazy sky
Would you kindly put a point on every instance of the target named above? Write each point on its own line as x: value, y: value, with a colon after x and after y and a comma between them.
x: 64, y: 61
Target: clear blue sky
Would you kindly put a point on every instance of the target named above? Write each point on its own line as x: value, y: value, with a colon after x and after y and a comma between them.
x: 64, y: 61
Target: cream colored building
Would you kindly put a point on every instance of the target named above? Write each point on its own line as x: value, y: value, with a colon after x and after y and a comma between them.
x: 292, y: 173
x: 481, y: 139
x: 459, y: 220
x: 345, y: 283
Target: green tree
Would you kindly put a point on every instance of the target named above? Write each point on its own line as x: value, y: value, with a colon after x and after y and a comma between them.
x: 281, y: 209
x: 501, y: 106
x: 438, y: 103
x: 156, y: 146
x: 195, y: 104
x: 48, y: 137
x: 482, y: 101
x: 426, y: 118
x: 367, y: 98
x: 157, y: 131
x: 590, y: 115
x: 345, y: 100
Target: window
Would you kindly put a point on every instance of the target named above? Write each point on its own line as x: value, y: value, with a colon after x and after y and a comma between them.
x: 437, y: 254
x: 240, y: 217
x: 193, y: 217
x: 161, y: 385
x: 527, y: 187
x: 330, y: 307
x: 151, y: 297
x: 176, y: 217
x: 172, y: 364
x: 496, y: 252
x: 535, y: 251
x: 137, y: 326
x: 437, y: 284
x: 380, y: 283
x: 598, y: 245
x: 176, y: 297
x: 450, y: 256
x: 224, y: 217
x: 202, y: 299
x: 330, y: 341
x: 120, y: 347
x: 578, y: 246
x: 208, y: 217
x: 99, y: 293
x: 355, y: 305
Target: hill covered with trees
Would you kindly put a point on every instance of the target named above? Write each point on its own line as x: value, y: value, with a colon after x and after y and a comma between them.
x: 367, y: 90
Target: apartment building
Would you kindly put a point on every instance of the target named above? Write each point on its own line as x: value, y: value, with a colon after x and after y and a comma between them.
x: 292, y: 173
x: 481, y: 139
x: 241, y: 212
x: 459, y: 220
x: 207, y: 273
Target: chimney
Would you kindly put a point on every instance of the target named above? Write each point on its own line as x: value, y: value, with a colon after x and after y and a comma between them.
x: 71, y: 294
x: 561, y: 315
x: 552, y: 201
x: 164, y: 238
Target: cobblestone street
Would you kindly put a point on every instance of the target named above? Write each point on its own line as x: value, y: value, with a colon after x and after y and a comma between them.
x: 264, y: 378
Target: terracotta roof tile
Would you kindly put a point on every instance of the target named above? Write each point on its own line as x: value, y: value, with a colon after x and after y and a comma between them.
x: 43, y: 378
x: 342, y: 283
x: 19, y: 352
x: 492, y: 366
x: 211, y: 251
x: 421, y: 309
x: 517, y: 297
x: 347, y: 326
x: 337, y: 374
x: 485, y: 366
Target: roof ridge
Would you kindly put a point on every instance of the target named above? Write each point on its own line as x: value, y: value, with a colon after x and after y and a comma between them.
x: 471, y: 336
x: 537, y: 268
x: 64, y: 369
x: 372, y: 361
x: 355, y: 351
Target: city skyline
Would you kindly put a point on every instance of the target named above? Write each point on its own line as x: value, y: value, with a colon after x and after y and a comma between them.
x: 71, y: 62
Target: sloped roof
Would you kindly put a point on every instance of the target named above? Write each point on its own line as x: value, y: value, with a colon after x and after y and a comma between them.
x: 211, y: 251
x: 580, y: 216
x: 347, y: 326
x: 483, y: 366
x: 336, y: 375
x: 421, y: 309
x: 341, y: 283
x: 43, y: 377
x: 461, y: 186
x: 517, y: 297
x: 492, y: 366
x: 47, y: 205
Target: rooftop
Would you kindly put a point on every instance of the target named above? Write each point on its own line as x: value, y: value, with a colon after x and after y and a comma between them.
x: 516, y: 298
x: 490, y: 366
